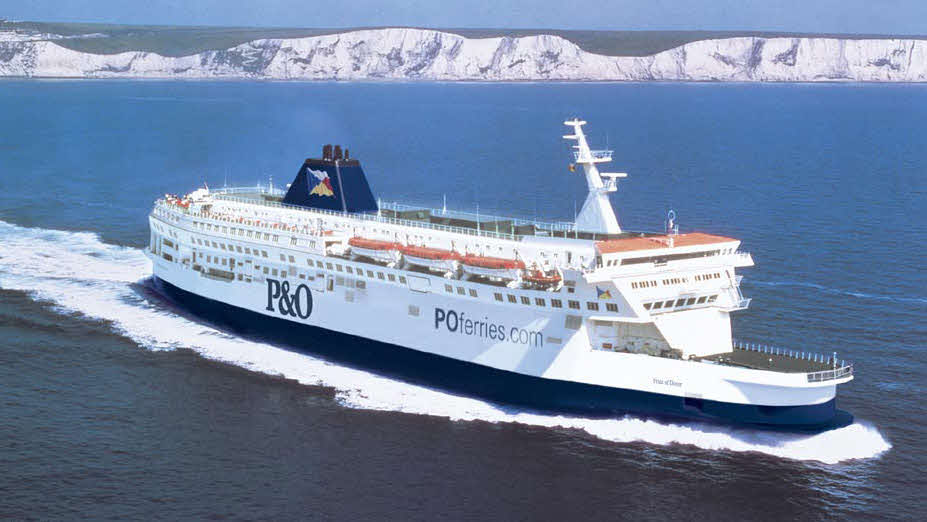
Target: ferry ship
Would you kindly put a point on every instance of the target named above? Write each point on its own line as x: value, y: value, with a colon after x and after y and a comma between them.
x: 582, y: 317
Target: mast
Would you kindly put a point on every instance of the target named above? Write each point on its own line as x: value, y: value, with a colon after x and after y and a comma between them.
x: 597, y: 214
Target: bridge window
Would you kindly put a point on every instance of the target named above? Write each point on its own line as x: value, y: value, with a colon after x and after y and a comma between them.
x: 472, y: 292
x: 611, y: 307
x: 498, y: 296
x: 539, y: 301
x: 573, y: 304
x: 592, y: 306
x: 512, y: 298
x: 556, y: 303
x: 525, y: 300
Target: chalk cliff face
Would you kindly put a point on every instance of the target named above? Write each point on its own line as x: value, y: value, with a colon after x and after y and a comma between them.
x: 417, y: 54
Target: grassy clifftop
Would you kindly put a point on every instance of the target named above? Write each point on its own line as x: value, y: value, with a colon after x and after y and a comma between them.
x: 186, y: 40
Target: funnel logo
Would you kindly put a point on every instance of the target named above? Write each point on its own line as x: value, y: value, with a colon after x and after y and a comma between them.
x: 323, y: 185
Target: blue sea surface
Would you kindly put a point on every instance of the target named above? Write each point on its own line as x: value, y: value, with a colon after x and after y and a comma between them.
x: 117, y: 406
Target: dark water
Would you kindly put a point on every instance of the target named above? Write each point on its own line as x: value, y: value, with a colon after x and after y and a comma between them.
x: 115, y: 406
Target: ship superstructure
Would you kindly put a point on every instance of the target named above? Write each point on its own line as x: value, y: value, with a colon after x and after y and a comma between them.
x: 581, y: 316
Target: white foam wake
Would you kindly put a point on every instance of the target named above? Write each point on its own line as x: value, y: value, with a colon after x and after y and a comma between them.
x: 76, y: 272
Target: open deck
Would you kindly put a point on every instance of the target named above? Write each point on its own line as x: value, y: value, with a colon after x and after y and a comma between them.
x: 757, y: 357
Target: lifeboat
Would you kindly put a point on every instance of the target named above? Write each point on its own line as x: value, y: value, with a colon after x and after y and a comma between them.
x: 434, y: 259
x: 541, y: 279
x: 375, y: 249
x: 493, y: 267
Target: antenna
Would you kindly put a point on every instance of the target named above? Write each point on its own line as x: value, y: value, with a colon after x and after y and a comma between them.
x: 444, y: 205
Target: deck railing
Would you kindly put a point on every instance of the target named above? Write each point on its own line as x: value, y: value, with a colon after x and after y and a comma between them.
x: 840, y: 368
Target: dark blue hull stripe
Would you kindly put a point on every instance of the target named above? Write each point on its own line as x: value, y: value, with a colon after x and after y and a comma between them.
x: 492, y: 384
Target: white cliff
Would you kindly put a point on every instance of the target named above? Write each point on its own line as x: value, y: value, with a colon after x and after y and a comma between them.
x: 417, y: 54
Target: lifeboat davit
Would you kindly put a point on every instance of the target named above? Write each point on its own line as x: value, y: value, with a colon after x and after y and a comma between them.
x: 541, y: 279
x: 493, y: 267
x: 435, y: 259
x: 375, y: 249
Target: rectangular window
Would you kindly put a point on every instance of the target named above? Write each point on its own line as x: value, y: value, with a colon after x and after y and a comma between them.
x: 712, y: 299
x: 512, y: 298
x: 360, y: 284
x: 328, y: 266
x: 379, y: 275
x: 680, y: 302
x: 274, y: 271
x: 574, y: 305
x: 461, y: 291
x: 668, y: 304
x: 647, y: 306
x: 690, y: 301
x: 525, y: 300
x: 391, y: 277
x: 701, y: 299
x: 265, y: 269
x: 449, y: 289
x: 611, y: 307
x: 556, y: 303
x: 592, y: 306
x: 263, y: 253
x: 402, y: 279
x: 339, y: 268
x: 413, y: 310
x: 370, y: 274
x: 539, y: 301
x: 292, y: 260
x: 497, y: 296
x: 472, y: 293
x: 658, y: 305
x: 283, y: 274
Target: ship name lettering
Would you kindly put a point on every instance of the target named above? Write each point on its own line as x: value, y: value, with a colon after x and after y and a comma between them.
x: 296, y: 304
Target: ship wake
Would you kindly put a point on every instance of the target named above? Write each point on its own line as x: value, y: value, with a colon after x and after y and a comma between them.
x: 76, y: 272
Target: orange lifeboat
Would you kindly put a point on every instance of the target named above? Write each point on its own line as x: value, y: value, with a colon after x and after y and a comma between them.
x: 436, y: 259
x: 539, y: 278
x: 375, y: 249
x: 492, y: 267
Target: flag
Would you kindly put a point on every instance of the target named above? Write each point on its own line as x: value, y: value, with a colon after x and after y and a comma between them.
x: 603, y: 294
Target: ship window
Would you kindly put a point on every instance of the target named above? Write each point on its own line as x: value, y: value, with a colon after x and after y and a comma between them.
x: 283, y: 274
x: 274, y: 271
x: 592, y: 306
x: 525, y: 300
x: 402, y: 279
x: 573, y: 322
x: 658, y: 305
x: 360, y: 284
x: 222, y: 245
x: 328, y: 266
x: 413, y: 310
x: 472, y: 293
x: 379, y: 275
x: 282, y: 257
x: 370, y: 274
x: 511, y: 298
x: 690, y: 301
x: 668, y: 304
x: 634, y: 285
x: 265, y: 270
x: 231, y: 247
x: 266, y: 236
x: 248, y: 251
x: 263, y: 253
x: 449, y: 289
x: 647, y: 306
x: 460, y: 290
x: 497, y: 296
x: 318, y: 264
x: 250, y: 234
x: 556, y: 303
x: 391, y: 277
x: 539, y: 301
x: 339, y: 281
x: 701, y: 299
x: 238, y: 249
x: 573, y: 304
x: 712, y: 299
x: 339, y: 268
x: 292, y: 260
x: 302, y: 276
x: 348, y: 269
x: 276, y: 238
x: 680, y: 302
x: 611, y: 307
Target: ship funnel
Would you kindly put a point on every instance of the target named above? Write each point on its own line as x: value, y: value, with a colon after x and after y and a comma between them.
x: 332, y: 182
